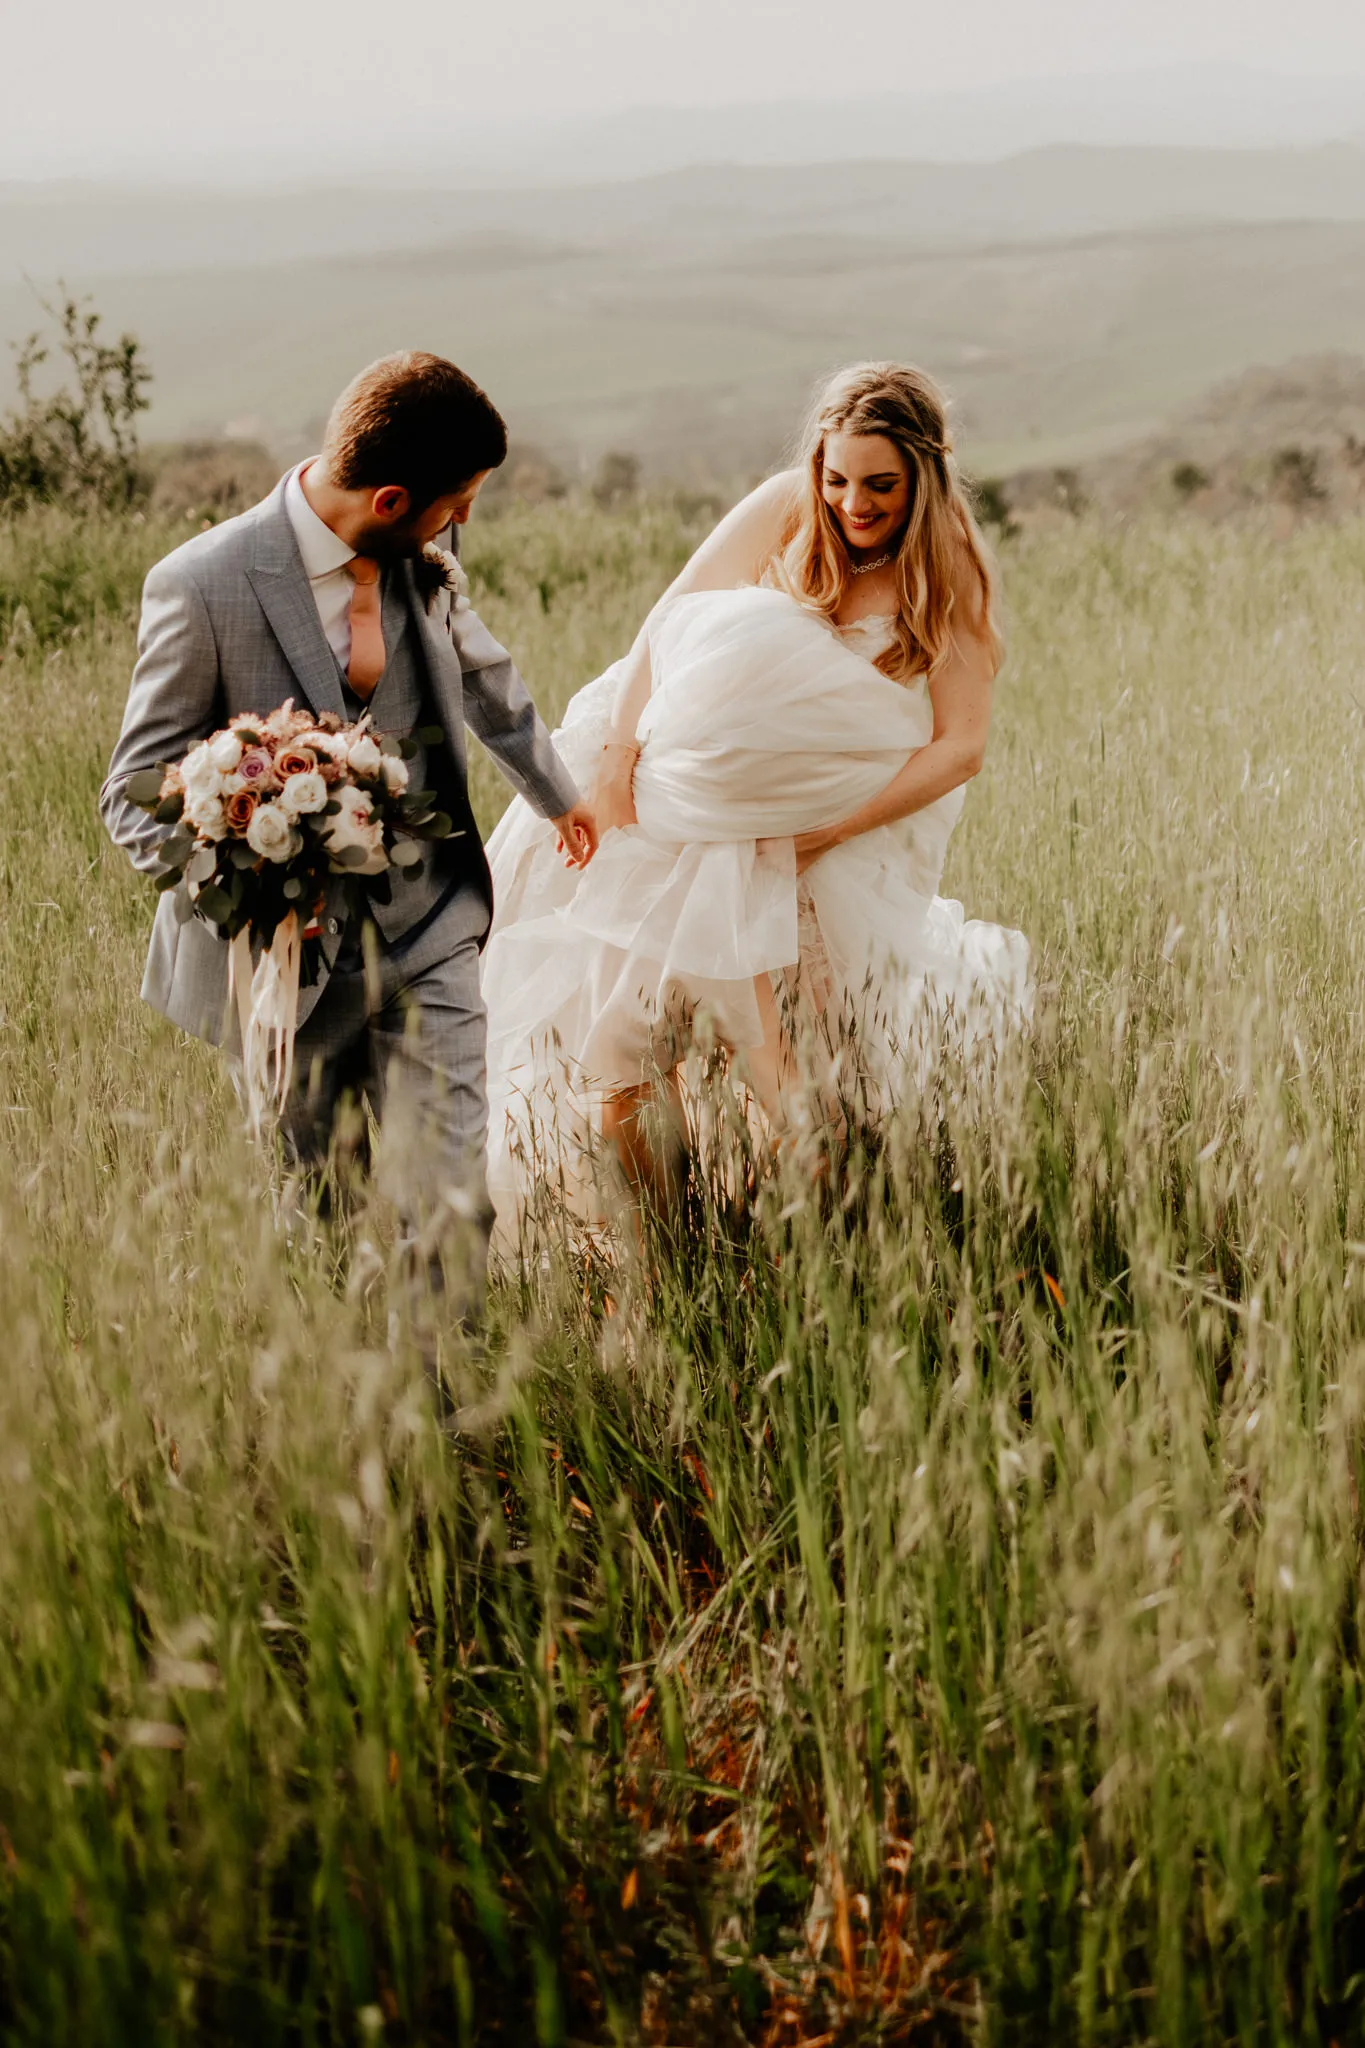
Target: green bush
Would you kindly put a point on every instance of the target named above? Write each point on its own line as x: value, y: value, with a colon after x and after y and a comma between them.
x: 77, y: 443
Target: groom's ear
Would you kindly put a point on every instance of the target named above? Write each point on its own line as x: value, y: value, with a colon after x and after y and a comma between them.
x: 391, y: 502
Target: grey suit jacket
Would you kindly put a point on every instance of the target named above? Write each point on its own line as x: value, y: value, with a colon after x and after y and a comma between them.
x: 229, y: 624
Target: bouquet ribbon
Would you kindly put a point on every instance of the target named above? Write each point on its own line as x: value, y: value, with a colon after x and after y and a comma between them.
x: 267, y: 997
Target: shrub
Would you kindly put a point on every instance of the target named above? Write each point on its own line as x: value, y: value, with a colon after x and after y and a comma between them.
x: 992, y: 506
x: 76, y: 444
x: 211, y: 480
x: 617, y: 479
x: 1067, y: 492
x: 1189, y: 479
x: 1294, y: 473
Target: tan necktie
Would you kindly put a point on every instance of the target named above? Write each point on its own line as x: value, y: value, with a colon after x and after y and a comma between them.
x: 367, y: 626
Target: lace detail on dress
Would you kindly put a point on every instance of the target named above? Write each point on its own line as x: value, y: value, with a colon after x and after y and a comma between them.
x: 869, y: 636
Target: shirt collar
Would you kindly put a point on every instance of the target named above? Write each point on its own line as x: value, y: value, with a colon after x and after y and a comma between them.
x: 323, y: 551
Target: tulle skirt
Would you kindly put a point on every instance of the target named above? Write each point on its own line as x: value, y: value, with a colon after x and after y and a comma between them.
x: 762, y: 723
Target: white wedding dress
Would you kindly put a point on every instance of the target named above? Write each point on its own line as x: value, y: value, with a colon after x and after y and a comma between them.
x: 762, y: 723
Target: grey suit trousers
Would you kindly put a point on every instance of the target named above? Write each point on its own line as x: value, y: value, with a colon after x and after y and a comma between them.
x: 400, y: 1029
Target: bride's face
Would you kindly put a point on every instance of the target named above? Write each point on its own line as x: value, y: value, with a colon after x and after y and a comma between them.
x: 867, y: 488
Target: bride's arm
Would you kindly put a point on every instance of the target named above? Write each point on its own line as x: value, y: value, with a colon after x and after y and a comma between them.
x: 961, y: 696
x: 736, y: 553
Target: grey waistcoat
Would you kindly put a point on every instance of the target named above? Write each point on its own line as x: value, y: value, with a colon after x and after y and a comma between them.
x: 402, y: 702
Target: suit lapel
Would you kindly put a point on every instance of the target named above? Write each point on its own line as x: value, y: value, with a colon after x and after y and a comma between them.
x: 277, y: 577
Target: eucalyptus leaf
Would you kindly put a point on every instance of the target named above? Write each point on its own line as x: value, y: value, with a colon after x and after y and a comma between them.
x: 242, y: 855
x: 170, y: 810
x: 184, y: 909
x: 214, y: 903
x: 391, y: 745
x: 430, y: 735
x: 177, y: 846
x: 144, y: 787
x: 293, y: 888
x: 203, y: 865
x: 406, y: 854
x: 350, y: 857
x: 170, y: 880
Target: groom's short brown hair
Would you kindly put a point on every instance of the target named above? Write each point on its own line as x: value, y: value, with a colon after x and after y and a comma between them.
x: 416, y: 420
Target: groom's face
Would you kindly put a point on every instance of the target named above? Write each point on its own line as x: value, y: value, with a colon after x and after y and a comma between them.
x: 395, y: 531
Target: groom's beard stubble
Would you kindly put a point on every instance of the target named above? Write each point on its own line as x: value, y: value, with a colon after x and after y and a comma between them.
x: 389, y: 545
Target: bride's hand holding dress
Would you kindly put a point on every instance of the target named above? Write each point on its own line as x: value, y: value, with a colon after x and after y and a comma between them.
x: 960, y: 692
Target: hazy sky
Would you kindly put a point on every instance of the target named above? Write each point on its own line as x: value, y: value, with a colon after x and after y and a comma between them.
x: 96, y: 85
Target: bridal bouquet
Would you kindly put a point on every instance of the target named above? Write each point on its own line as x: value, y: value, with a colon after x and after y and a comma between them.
x: 261, y: 817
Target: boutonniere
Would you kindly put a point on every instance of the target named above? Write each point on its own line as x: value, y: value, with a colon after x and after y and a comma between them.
x: 438, y: 570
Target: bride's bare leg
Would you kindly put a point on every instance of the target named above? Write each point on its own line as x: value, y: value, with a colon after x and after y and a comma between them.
x: 769, y: 1067
x: 651, y: 1168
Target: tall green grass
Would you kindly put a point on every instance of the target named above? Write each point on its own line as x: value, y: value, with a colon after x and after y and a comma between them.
x: 927, y: 1605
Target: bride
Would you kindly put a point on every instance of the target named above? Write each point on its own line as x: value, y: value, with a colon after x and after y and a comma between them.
x: 779, y: 762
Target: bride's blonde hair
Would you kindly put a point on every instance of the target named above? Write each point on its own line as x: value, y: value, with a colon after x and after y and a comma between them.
x: 941, y: 546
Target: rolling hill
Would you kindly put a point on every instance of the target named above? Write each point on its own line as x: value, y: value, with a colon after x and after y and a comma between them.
x: 699, y: 356
x: 1072, y: 299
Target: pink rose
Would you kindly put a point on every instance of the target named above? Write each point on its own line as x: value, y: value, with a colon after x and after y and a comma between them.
x: 256, y: 767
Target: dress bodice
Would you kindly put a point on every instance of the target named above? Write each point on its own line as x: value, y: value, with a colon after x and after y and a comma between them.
x: 870, y: 636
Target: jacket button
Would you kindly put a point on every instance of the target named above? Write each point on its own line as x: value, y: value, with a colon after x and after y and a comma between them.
x: 332, y: 927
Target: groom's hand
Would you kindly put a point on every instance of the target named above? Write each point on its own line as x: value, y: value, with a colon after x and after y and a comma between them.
x: 577, y: 831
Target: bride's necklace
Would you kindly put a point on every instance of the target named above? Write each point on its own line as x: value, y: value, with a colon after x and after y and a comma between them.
x: 866, y: 568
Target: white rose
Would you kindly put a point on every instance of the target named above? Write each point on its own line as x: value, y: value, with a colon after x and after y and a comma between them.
x: 225, y: 751
x: 205, y: 815
x: 363, y: 755
x: 355, y: 825
x: 302, y: 794
x: 356, y: 804
x: 271, y: 835
x: 395, y: 772
x: 198, y: 772
x: 328, y: 745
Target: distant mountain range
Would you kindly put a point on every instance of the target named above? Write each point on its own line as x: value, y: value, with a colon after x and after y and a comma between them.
x: 1073, y: 297
x: 699, y: 356
x: 85, y: 232
x: 478, y: 138
x: 1200, y: 106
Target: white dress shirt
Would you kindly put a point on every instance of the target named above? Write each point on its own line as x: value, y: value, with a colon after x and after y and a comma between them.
x: 325, y: 556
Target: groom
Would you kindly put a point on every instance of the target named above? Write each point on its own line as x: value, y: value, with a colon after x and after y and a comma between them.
x: 320, y: 594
